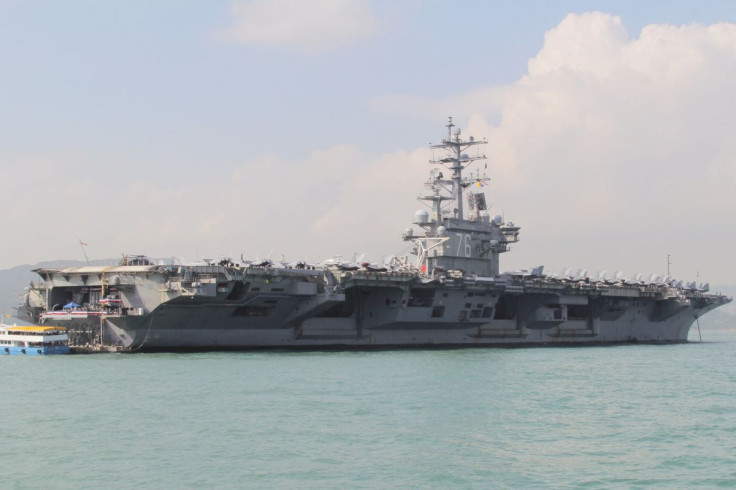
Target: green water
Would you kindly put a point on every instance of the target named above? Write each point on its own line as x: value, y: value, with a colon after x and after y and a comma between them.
x: 596, y: 417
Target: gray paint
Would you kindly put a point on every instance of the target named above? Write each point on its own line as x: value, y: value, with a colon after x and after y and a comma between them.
x: 452, y: 295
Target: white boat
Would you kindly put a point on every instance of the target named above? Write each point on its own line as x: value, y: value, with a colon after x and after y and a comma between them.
x: 33, y: 340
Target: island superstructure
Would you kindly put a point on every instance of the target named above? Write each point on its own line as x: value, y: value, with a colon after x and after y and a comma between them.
x: 452, y: 293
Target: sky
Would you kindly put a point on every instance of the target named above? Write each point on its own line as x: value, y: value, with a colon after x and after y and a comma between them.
x: 197, y: 129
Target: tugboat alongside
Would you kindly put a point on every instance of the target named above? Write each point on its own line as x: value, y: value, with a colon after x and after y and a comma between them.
x: 33, y: 340
x: 452, y: 294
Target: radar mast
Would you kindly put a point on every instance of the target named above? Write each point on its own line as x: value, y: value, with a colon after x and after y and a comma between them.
x: 452, y: 243
x: 456, y: 161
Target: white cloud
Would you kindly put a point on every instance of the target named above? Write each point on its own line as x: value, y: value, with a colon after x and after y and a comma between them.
x: 309, y: 26
x: 581, y: 43
x: 614, y: 151
x: 611, y: 153
x: 337, y: 201
x: 626, y: 145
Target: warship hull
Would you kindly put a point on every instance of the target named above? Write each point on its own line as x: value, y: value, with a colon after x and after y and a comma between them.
x: 452, y: 294
x: 200, y: 328
x: 220, y: 307
x: 176, y: 307
x: 391, y: 336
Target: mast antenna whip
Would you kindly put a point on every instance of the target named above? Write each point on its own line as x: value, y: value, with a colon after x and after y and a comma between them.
x: 82, y: 244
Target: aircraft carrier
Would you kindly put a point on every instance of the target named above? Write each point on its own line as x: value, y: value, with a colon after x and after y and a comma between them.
x: 448, y: 292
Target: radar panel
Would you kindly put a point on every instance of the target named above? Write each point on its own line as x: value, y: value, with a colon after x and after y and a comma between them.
x: 477, y: 201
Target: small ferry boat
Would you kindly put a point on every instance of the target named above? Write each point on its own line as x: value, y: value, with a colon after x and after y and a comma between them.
x: 33, y: 340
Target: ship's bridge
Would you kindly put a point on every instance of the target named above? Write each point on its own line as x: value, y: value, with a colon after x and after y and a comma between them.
x: 470, y: 246
x: 450, y: 241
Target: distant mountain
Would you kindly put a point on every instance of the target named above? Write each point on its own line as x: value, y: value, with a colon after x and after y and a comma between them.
x: 12, y: 282
x: 725, y: 316
x: 718, y: 319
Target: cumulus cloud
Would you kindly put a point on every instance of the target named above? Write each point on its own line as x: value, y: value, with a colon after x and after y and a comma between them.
x: 613, y: 150
x: 313, y: 26
x: 622, y: 147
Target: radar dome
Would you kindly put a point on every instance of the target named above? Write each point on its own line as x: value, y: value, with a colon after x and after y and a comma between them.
x: 498, y: 219
x: 421, y: 217
x: 441, y: 231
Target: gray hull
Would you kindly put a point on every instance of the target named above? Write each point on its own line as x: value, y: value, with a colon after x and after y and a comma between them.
x: 214, y: 326
x: 452, y: 294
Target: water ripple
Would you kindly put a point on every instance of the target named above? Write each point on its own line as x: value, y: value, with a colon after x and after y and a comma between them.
x: 631, y: 416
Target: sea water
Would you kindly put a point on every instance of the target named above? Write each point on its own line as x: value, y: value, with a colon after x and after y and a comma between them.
x: 590, y: 417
